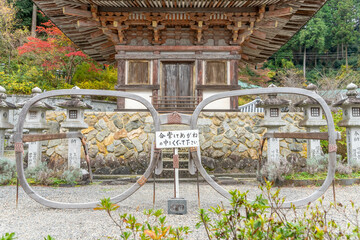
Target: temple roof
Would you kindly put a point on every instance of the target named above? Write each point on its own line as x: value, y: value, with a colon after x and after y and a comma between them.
x: 260, y: 27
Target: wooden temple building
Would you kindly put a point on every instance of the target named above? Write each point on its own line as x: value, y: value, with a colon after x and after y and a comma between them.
x: 177, y: 52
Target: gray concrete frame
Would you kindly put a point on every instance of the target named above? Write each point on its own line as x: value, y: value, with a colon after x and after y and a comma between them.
x: 195, y: 161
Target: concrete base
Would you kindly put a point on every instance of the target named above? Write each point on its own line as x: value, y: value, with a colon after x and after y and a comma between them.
x: 177, y: 206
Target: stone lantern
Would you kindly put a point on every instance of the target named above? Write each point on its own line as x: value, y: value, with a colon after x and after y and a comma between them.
x: 35, y: 122
x: 313, y: 120
x: 4, y: 118
x: 74, y: 122
x: 351, y: 120
x: 272, y: 121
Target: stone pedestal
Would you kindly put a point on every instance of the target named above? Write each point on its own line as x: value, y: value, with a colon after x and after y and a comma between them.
x: 351, y: 120
x: 313, y: 120
x: 273, y: 148
x: 272, y: 121
x: 177, y: 206
x: 313, y: 146
x: 353, y: 145
x: 74, y: 122
x: 74, y: 152
x: 34, y: 152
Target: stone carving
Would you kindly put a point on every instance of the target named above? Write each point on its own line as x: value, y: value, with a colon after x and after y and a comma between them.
x: 74, y: 122
x: 35, y: 123
x: 313, y: 120
x: 4, y: 118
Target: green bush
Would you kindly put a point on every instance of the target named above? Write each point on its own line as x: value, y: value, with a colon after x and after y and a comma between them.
x: 7, y: 171
x: 43, y: 175
x: 8, y: 236
x: 89, y: 76
x: 264, y: 218
x: 155, y: 226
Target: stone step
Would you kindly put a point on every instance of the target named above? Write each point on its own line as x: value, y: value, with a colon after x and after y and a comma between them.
x: 169, y: 173
x: 170, y: 157
x: 237, y: 175
x: 127, y: 179
x: 168, y: 163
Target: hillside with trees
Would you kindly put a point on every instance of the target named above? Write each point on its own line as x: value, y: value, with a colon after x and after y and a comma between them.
x: 324, y: 52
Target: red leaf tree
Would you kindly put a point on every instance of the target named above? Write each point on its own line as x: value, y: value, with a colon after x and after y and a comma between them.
x: 53, y: 52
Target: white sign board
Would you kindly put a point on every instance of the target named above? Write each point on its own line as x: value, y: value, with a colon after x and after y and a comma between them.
x: 177, y: 139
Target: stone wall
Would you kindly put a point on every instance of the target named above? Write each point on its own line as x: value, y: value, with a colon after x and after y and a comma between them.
x: 120, y: 143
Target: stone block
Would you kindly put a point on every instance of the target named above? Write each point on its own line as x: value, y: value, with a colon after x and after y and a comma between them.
x: 218, y: 145
x: 295, y: 147
x: 218, y: 138
x: 93, y: 151
x: 217, y: 154
x: 134, y: 134
x: 54, y: 143
x: 87, y: 130
x: 177, y: 206
x: 129, y: 154
x: 138, y: 145
x: 120, y: 150
x: 120, y: 134
x: 109, y: 140
x: 123, y: 170
x: 102, y: 135
x: 101, y: 147
x: 132, y: 125
x: 127, y: 143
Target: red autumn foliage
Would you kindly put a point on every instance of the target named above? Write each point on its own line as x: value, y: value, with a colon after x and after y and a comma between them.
x: 54, y: 51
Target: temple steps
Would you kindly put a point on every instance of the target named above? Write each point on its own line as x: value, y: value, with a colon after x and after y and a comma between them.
x: 222, y: 179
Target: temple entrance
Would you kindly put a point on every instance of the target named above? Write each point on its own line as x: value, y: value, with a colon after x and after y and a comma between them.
x: 177, y: 85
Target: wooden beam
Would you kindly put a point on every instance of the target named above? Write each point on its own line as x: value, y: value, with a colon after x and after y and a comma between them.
x: 174, y: 57
x: 76, y: 12
x: 178, y: 10
x: 163, y: 48
x: 96, y: 34
x: 280, y: 12
x: 259, y: 34
x: 83, y: 23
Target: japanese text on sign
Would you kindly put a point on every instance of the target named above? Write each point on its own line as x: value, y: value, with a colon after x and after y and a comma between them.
x: 177, y: 139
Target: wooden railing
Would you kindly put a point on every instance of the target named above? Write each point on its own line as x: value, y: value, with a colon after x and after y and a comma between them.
x: 175, y: 103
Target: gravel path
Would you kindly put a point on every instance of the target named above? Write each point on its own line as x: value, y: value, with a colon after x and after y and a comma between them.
x: 33, y: 221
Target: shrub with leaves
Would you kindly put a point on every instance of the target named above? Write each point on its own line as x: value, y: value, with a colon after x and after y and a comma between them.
x: 275, y: 171
x: 264, y: 218
x: 8, y: 236
x: 43, y: 175
x: 7, y: 171
x: 154, y: 227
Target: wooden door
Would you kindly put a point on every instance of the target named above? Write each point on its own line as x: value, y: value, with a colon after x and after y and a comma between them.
x: 177, y: 84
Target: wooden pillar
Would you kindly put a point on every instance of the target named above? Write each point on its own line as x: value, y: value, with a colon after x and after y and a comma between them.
x: 199, y: 64
x: 155, y: 92
x: 121, y: 82
x: 33, y: 21
x: 234, y: 76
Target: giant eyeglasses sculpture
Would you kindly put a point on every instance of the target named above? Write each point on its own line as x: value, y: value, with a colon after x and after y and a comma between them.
x: 155, y: 164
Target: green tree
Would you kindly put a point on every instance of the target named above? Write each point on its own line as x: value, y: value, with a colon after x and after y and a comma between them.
x: 24, y: 14
x: 346, y: 17
x: 313, y: 36
x: 10, y: 37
